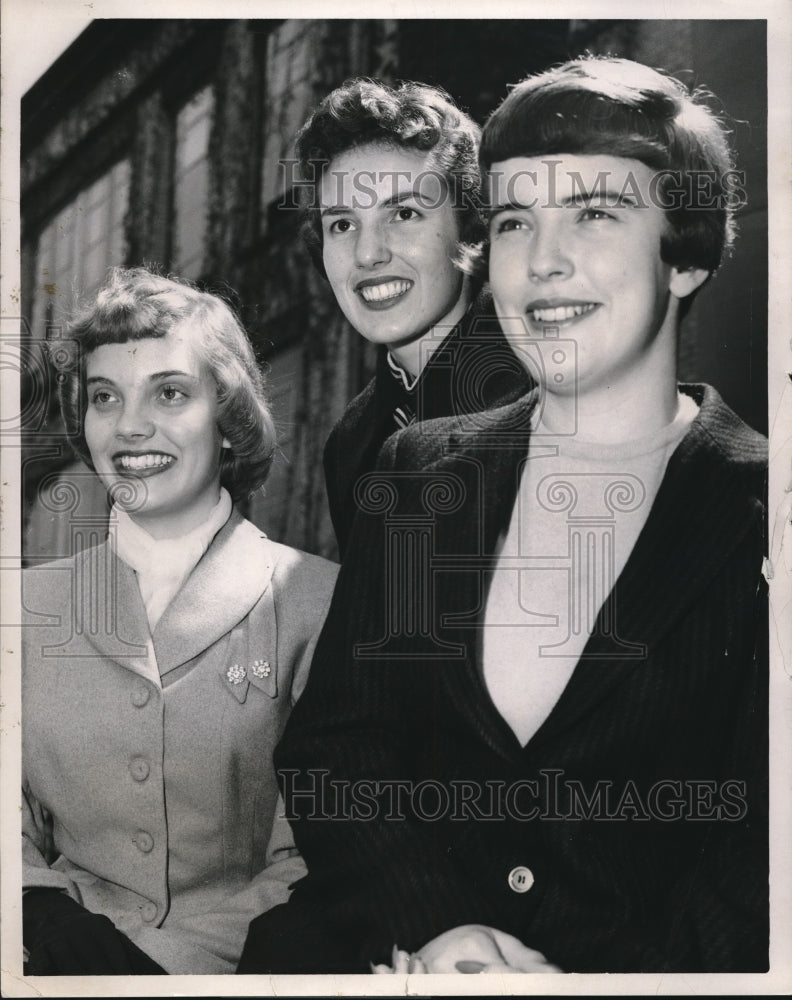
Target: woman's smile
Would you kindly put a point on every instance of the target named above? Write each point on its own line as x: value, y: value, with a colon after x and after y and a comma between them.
x: 142, y: 464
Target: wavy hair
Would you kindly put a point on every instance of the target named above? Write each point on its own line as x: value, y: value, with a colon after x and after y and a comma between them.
x: 135, y: 304
x: 412, y: 116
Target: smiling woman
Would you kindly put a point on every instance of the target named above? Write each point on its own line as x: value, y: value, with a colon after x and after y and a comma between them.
x: 152, y: 418
x: 151, y: 826
x: 390, y: 239
x: 392, y: 218
x: 576, y: 252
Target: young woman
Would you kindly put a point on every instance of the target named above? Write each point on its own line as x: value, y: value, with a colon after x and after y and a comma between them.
x: 393, y: 221
x: 159, y: 667
x: 553, y: 755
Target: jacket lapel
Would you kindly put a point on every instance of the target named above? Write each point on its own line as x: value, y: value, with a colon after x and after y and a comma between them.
x: 351, y: 440
x: 701, y: 512
x: 489, y: 461
x: 111, y: 614
x: 219, y: 593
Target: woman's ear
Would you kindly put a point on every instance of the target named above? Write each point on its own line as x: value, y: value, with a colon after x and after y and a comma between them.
x: 685, y: 280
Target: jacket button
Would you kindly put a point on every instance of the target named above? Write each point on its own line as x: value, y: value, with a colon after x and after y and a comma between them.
x: 143, y: 841
x: 140, y: 696
x: 139, y: 769
x: 149, y: 912
x: 520, y: 879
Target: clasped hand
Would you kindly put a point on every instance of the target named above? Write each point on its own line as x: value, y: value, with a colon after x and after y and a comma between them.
x: 470, y: 948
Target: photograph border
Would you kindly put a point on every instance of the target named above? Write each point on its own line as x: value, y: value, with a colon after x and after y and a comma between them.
x: 22, y: 24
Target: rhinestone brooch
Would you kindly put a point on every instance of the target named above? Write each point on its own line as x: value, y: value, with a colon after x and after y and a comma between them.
x: 236, y: 674
x: 261, y: 668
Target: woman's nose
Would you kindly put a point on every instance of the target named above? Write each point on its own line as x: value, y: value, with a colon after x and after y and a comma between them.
x: 371, y: 246
x: 548, y: 255
x: 135, y: 421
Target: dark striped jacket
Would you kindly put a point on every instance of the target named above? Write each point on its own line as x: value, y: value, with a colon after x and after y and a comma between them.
x: 473, y: 369
x: 671, y: 873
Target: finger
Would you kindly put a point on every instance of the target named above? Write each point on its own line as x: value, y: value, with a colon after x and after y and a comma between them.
x: 380, y: 970
x: 401, y: 962
x: 416, y: 965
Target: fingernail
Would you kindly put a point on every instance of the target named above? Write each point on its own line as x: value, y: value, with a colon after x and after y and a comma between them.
x: 468, y: 966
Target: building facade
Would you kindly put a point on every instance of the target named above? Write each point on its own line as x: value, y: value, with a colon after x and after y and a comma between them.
x: 168, y: 142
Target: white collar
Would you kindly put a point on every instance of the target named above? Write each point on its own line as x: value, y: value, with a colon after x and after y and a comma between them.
x: 407, y: 380
x: 163, y: 564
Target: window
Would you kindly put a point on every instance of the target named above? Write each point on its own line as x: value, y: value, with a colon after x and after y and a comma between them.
x: 79, y: 244
x: 191, y: 185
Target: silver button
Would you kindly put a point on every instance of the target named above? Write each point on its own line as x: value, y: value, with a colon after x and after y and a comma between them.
x: 139, y: 769
x: 140, y: 696
x: 143, y: 841
x: 149, y: 912
x: 520, y: 879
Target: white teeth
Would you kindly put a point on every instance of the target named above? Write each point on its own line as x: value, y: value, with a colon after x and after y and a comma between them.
x: 387, y: 290
x: 143, y: 461
x: 560, y: 313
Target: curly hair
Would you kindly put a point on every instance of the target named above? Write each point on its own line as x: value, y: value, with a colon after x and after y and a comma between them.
x: 135, y: 304
x: 617, y: 107
x: 413, y: 116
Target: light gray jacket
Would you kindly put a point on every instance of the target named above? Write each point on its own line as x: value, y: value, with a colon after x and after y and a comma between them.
x: 149, y: 793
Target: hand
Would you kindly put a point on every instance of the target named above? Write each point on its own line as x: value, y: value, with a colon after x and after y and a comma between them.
x: 65, y: 939
x: 403, y: 963
x: 475, y: 948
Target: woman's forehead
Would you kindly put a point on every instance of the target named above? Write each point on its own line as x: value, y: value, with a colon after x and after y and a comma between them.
x: 378, y: 173
x: 554, y: 180
x: 176, y: 351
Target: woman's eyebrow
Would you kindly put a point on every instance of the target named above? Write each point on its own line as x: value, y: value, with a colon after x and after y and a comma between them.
x: 173, y: 373
x: 335, y: 210
x: 412, y: 194
x: 607, y: 196
x: 399, y: 197
x: 511, y: 206
x: 154, y: 377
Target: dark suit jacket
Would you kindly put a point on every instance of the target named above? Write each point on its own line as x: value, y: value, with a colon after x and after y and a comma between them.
x: 667, y: 705
x: 474, y: 369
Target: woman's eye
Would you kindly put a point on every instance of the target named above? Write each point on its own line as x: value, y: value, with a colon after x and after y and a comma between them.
x: 406, y: 214
x: 509, y: 225
x: 172, y: 393
x: 595, y: 214
x: 341, y: 226
x: 102, y: 398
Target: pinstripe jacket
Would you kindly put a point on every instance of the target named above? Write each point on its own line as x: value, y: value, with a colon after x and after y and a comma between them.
x: 473, y: 369
x: 629, y: 834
